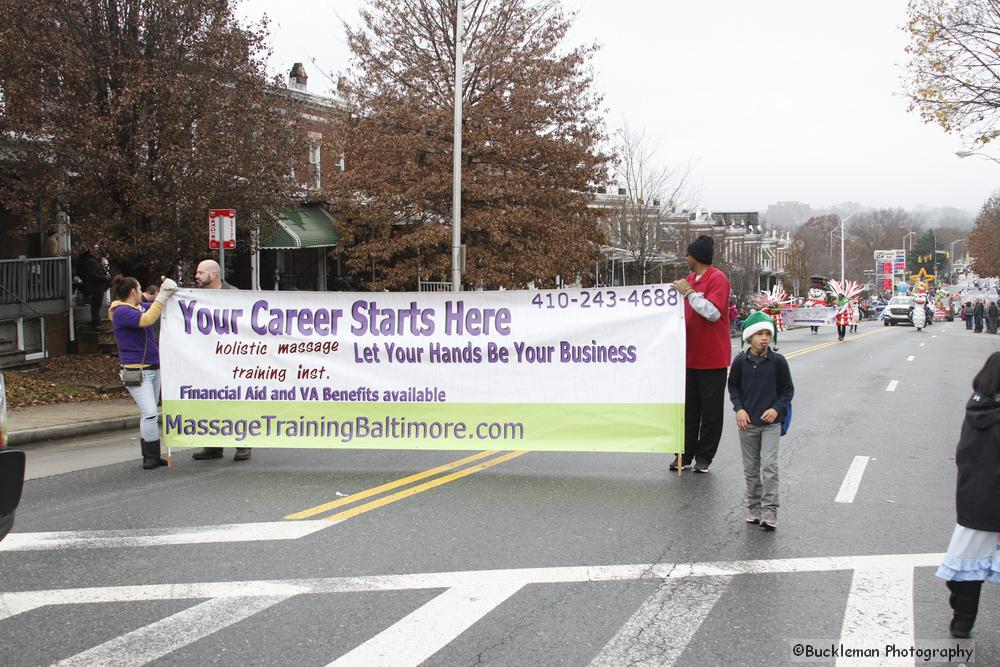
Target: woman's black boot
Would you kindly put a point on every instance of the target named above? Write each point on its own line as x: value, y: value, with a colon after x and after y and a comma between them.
x: 964, y: 600
x: 151, y: 454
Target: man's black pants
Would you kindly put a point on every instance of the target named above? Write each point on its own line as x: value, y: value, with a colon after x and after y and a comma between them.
x: 705, y: 394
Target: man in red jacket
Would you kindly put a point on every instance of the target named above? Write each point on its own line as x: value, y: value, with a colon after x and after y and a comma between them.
x: 706, y: 323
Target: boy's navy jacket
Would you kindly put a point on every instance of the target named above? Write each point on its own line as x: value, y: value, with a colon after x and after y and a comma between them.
x: 978, y: 459
x: 758, y: 384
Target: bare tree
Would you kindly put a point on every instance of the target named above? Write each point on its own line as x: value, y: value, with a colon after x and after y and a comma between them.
x: 647, y: 188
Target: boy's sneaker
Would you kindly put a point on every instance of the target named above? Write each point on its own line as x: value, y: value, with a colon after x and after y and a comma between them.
x: 769, y: 520
x: 753, y: 516
x: 702, y: 466
x: 685, y: 464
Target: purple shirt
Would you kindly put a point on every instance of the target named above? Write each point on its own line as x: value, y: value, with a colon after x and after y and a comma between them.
x: 135, y: 341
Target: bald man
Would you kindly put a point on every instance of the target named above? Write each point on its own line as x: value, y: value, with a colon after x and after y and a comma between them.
x: 209, y: 276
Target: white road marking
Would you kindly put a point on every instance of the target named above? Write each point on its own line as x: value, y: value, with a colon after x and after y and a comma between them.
x: 106, y: 539
x: 659, y: 632
x: 892, y: 385
x: 879, y: 612
x: 852, y: 480
x: 910, y: 358
x: 415, y: 638
x: 171, y: 633
x: 934, y: 336
x: 922, y: 344
x: 14, y: 603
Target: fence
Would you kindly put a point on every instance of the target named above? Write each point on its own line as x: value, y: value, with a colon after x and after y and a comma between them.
x: 429, y: 286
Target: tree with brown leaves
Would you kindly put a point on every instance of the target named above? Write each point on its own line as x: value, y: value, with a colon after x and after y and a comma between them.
x: 136, y: 117
x: 984, y: 241
x: 530, y: 151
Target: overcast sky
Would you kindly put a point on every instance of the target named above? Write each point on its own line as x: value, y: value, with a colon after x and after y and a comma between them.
x: 775, y: 100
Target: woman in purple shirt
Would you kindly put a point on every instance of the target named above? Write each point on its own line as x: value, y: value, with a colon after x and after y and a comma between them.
x: 139, y: 349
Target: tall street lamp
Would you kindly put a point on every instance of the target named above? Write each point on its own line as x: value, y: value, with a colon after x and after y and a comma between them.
x: 842, y: 221
x: 965, y: 154
x: 456, y: 178
x: 951, y: 253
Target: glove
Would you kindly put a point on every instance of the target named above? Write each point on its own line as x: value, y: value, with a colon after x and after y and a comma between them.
x: 167, y: 288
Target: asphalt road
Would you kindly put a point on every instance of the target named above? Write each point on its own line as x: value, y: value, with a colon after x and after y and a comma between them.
x: 536, y: 559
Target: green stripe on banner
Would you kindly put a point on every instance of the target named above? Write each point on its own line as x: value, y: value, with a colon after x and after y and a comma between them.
x: 573, y: 427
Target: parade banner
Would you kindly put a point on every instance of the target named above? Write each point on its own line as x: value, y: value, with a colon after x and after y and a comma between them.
x: 559, y: 370
x: 810, y: 317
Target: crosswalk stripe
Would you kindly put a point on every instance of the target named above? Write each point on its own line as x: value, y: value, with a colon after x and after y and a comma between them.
x: 156, y: 640
x: 394, y: 582
x: 107, y: 539
x: 657, y: 634
x: 415, y: 638
x: 879, y: 612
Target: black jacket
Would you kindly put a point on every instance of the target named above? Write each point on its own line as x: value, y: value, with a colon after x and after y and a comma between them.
x: 978, y: 459
x: 757, y: 385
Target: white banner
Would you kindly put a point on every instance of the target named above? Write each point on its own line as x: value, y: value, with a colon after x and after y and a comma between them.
x: 810, y: 317
x: 584, y: 370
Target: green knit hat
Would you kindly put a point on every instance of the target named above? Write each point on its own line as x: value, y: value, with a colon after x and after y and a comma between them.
x: 758, y: 321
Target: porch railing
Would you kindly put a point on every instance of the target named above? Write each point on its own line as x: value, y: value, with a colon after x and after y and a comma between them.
x: 26, y: 281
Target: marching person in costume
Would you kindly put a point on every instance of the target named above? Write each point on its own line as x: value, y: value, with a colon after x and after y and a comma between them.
x: 817, y: 299
x: 770, y: 303
x: 843, y: 293
x: 918, y: 315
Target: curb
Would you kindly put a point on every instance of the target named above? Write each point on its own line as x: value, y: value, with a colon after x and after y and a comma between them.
x: 28, y: 435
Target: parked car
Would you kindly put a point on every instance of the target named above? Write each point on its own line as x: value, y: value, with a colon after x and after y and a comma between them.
x: 11, y: 471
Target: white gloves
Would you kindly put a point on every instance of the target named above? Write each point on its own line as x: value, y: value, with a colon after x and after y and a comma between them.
x: 167, y: 287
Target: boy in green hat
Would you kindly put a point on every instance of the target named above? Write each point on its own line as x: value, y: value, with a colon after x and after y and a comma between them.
x: 761, y: 390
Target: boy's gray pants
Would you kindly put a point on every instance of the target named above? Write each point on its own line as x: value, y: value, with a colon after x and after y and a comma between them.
x: 760, y: 465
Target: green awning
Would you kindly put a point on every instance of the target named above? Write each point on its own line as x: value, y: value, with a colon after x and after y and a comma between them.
x: 302, y: 227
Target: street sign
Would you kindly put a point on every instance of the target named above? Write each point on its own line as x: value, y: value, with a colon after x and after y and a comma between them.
x: 222, y: 228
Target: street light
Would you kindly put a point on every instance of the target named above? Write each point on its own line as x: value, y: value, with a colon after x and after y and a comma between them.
x: 951, y: 253
x: 965, y: 154
x: 906, y: 236
x: 842, y: 221
x: 456, y: 178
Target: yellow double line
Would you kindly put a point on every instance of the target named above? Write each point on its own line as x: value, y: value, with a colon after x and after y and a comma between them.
x: 831, y: 343
x: 405, y: 493
x: 436, y: 481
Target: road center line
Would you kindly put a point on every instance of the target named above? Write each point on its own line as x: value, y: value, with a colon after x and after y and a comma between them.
x: 420, y: 488
x: 852, y: 480
x: 374, y: 491
x: 892, y: 385
x: 910, y: 358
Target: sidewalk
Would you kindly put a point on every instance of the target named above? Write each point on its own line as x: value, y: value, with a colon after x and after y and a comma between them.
x: 63, y: 420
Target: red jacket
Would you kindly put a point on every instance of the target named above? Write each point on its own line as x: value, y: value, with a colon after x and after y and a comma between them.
x: 708, y: 344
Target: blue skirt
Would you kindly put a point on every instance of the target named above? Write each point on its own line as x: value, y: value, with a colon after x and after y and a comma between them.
x: 973, y: 555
